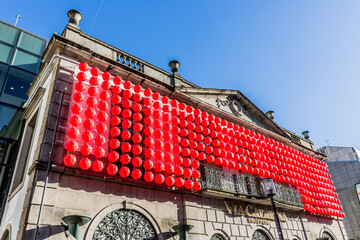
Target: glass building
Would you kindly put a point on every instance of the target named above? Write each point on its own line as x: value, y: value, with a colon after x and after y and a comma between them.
x: 20, y: 60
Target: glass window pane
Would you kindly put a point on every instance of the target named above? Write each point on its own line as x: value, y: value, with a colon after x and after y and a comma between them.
x: 6, y: 113
x: 3, y: 71
x: 26, y: 61
x: 31, y: 43
x: 5, y: 53
x: 16, y: 86
x: 8, y: 34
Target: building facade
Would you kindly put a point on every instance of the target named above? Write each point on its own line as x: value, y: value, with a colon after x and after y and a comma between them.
x: 344, y: 167
x: 130, y: 151
x: 20, y: 60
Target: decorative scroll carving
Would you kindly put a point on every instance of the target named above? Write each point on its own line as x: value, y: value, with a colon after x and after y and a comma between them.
x: 125, y: 224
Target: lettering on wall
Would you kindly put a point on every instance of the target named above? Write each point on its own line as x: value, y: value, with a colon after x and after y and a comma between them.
x: 253, y: 214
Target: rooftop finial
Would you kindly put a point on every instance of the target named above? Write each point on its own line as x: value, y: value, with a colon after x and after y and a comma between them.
x: 17, y: 19
x: 174, y: 64
x: 74, y: 17
x: 306, y: 134
x: 270, y: 114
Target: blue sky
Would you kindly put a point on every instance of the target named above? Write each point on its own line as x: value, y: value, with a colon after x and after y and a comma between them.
x: 298, y: 58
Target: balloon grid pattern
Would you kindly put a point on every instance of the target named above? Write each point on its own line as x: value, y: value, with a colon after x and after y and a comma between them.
x: 122, y: 130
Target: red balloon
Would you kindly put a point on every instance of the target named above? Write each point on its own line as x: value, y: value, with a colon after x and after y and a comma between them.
x: 136, y: 174
x: 112, y: 169
x: 179, y: 182
x: 79, y: 86
x: 197, y: 186
x: 105, y: 95
x: 159, y: 167
x: 76, y: 108
x: 103, y: 106
x: 169, y: 157
x: 85, y: 149
x: 94, y: 71
x: 78, y: 97
x: 196, y: 174
x: 85, y: 164
x: 137, y: 149
x: 186, y: 162
x: 115, y: 110
x: 115, y: 120
x: 117, y: 80
x: 101, y: 127
x: 115, y: 132
x: 148, y: 164
x: 90, y: 113
x: 73, y: 132
x: 187, y: 173
x: 72, y: 146
x: 87, y: 136
x: 102, y: 116
x: 125, y: 159
x: 149, y: 176
x: 94, y: 80
x: 83, y: 66
x: 69, y: 160
x: 149, y: 153
x: 159, y: 178
x: 100, y: 140
x: 178, y: 170
x: 124, y: 172
x: 159, y: 155
x: 93, y: 91
x: 126, y: 147
x: 99, y: 152
x: 97, y: 166
x: 106, y: 76
x: 188, y: 184
x: 169, y: 181
x: 113, y: 156
x: 136, y: 162
x: 89, y: 124
x: 116, y: 99
x: 114, y: 143
x: 169, y: 169
x: 91, y: 101
x: 106, y: 85
x: 81, y: 76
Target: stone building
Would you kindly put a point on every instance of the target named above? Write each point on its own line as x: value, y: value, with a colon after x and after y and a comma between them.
x: 344, y: 167
x: 130, y: 151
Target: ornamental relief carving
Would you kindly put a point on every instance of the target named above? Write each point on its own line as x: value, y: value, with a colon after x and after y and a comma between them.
x: 231, y: 104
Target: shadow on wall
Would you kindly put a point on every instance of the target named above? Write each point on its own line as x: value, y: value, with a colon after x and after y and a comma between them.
x: 45, y: 232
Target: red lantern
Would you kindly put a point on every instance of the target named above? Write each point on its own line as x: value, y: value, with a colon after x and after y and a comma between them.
x: 149, y: 176
x: 196, y: 174
x: 99, y: 152
x: 113, y: 156
x: 97, y: 166
x: 125, y: 147
x: 106, y: 76
x: 125, y: 159
x: 159, y: 178
x: 179, y: 182
x: 187, y: 173
x: 93, y: 91
x: 78, y: 97
x: 79, y: 86
x: 90, y: 113
x: 148, y: 164
x: 124, y: 172
x: 186, y: 162
x: 73, y: 132
x: 94, y: 81
x: 136, y: 162
x: 87, y: 136
x: 106, y: 85
x: 85, y: 149
x: 76, y: 108
x: 89, y: 124
x: 91, y: 102
x: 137, y: 149
x: 178, y: 170
x: 83, y: 66
x: 169, y: 181
x: 69, y: 160
x: 188, y: 184
x: 85, y: 164
x: 197, y: 186
x: 112, y: 169
x: 101, y: 127
x: 100, y: 140
x: 72, y: 146
x: 136, y: 174
x: 81, y: 76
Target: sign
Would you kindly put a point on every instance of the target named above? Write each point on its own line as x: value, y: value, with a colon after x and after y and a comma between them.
x: 253, y: 214
x: 357, y: 186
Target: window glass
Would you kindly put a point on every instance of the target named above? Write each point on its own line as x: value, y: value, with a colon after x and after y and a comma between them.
x: 16, y: 85
x: 31, y: 43
x: 8, y: 34
x: 6, y: 113
x: 3, y: 71
x: 26, y: 61
x: 5, y: 53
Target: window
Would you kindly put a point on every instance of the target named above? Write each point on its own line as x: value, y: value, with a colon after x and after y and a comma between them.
x: 22, y: 160
x: 26, y: 61
x: 259, y: 235
x: 16, y: 86
x: 8, y: 33
x: 31, y: 43
x: 217, y: 237
x: 5, y: 53
x: 6, y: 113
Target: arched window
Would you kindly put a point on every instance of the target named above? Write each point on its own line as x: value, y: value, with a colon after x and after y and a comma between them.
x: 326, y: 236
x: 217, y: 237
x: 125, y: 224
x: 6, y: 235
x: 259, y: 235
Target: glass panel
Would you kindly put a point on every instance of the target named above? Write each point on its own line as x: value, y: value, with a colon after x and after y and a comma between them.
x: 8, y: 33
x: 31, y: 43
x: 3, y: 72
x: 6, y: 113
x: 17, y: 84
x: 26, y: 61
x: 5, y: 53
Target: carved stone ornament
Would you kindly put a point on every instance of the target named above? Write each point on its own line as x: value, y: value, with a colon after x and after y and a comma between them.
x: 259, y: 235
x: 124, y: 224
